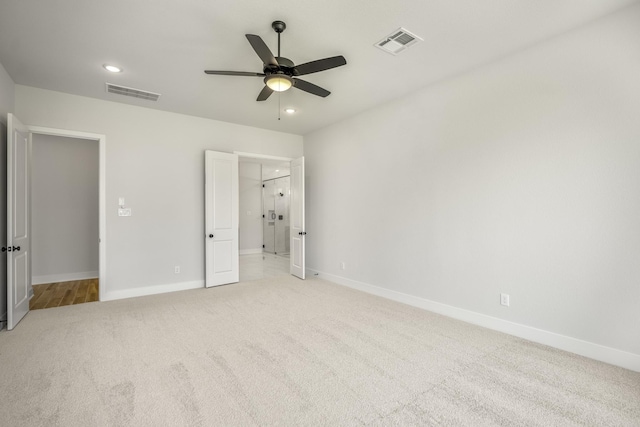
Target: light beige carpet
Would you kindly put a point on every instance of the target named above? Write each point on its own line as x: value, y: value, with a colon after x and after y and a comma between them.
x: 287, y: 352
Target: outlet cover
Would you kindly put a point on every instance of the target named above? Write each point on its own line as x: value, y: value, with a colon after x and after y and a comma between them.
x: 504, y: 299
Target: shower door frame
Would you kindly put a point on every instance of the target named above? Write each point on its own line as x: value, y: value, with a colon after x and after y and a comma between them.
x: 275, y: 218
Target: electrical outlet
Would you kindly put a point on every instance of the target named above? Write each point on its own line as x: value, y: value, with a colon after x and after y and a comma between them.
x: 504, y: 299
x: 343, y: 265
x: 177, y: 269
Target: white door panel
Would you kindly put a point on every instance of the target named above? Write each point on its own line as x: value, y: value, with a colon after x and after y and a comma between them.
x: 297, y: 236
x: 223, y: 251
x: 221, y: 218
x: 18, y: 248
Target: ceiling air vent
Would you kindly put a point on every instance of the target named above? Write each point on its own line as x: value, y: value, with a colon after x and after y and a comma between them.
x: 398, y: 41
x: 134, y: 93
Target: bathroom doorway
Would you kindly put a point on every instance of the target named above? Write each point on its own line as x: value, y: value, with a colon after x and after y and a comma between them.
x: 264, y: 206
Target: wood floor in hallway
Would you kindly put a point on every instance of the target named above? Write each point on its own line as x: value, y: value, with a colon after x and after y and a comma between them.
x: 64, y: 293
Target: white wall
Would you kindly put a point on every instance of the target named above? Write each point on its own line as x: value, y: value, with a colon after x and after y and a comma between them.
x: 520, y: 177
x: 155, y: 160
x: 64, y: 217
x: 7, y: 97
x: 269, y: 170
x: 250, y: 184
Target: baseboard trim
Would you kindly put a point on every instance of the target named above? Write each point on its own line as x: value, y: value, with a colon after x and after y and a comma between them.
x: 250, y: 251
x: 152, y: 290
x: 588, y: 349
x: 55, y: 278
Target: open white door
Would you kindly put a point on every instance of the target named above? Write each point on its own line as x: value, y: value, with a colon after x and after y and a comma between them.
x: 18, y: 249
x: 297, y: 235
x: 221, y: 219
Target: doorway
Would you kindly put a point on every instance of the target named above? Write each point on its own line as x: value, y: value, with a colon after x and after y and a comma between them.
x: 64, y: 221
x: 264, y: 218
x: 222, y: 216
x: 19, y: 227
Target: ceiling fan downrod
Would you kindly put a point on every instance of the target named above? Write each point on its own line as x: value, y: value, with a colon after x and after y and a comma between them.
x: 278, y: 27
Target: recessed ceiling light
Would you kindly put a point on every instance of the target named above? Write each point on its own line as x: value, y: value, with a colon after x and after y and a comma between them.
x: 290, y: 110
x: 112, y: 68
x: 277, y: 170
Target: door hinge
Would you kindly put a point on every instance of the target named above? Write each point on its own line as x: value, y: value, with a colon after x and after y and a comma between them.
x: 262, y: 246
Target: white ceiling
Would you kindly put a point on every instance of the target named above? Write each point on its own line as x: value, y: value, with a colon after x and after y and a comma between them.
x: 164, y: 46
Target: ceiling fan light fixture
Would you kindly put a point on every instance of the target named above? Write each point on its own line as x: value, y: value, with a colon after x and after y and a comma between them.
x: 278, y: 82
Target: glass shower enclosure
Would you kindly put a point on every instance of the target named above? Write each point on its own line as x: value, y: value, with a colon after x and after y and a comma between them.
x: 276, y: 195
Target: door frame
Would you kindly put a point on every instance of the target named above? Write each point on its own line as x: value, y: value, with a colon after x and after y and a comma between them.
x: 257, y: 156
x: 265, y: 157
x: 262, y: 156
x: 102, y: 220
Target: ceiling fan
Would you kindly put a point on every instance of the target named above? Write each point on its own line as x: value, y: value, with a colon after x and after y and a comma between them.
x: 281, y: 73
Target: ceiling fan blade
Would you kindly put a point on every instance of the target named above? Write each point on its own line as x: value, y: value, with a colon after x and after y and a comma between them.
x: 311, y: 88
x: 234, y: 73
x: 319, y: 65
x: 265, y: 93
x: 261, y: 49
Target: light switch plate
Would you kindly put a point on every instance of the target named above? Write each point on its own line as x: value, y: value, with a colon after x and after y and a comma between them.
x: 124, y: 212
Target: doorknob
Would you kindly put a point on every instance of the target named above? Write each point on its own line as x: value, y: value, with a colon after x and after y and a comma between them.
x: 302, y: 233
x: 211, y: 236
x: 10, y: 248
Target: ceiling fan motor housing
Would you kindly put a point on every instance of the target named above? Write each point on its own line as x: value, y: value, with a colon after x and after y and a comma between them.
x: 285, y: 66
